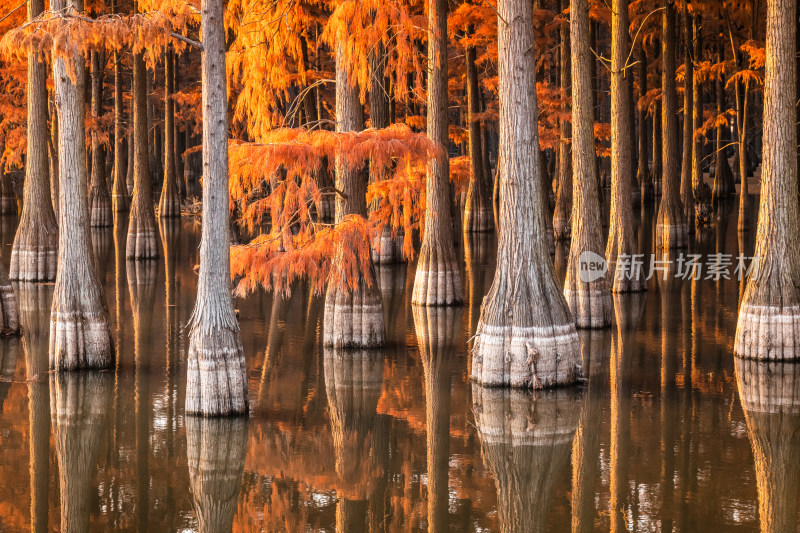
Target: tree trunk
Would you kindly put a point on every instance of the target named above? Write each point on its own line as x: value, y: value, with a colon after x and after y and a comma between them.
x: 80, y: 334
x: 621, y: 244
x: 120, y: 201
x: 525, y: 443
x: 562, y: 229
x: 657, y: 167
x: 687, y: 196
x: 353, y: 317
x: 701, y: 191
x: 588, y: 296
x: 141, y: 242
x: 769, y: 395
x: 386, y: 248
x: 723, y: 177
x: 33, y: 255
x: 131, y: 152
x: 525, y: 336
x: 643, y: 175
x: 477, y: 208
x: 170, y: 203
x: 769, y: 314
x: 438, y: 280
x: 216, y: 449
x: 52, y: 150
x: 671, y: 228
x: 99, y: 199
x: 78, y: 405
x: 217, y: 375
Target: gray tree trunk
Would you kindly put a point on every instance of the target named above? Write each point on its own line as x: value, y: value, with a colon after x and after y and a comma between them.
x: 217, y: 374
x: 525, y: 336
x: 589, y: 299
x: 769, y: 314
x: 624, y: 276
x: 643, y: 175
x: 671, y: 227
x: 80, y: 334
x: 120, y: 200
x: 687, y: 195
x: 141, y: 242
x: 562, y: 229
x: 170, y: 203
x: 99, y: 198
x: 478, y: 206
x: 33, y: 255
x: 438, y: 280
x: 353, y: 317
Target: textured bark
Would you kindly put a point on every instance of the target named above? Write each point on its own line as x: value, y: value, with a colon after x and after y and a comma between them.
x: 525, y: 336
x: 671, y: 227
x: 562, y: 229
x: 701, y: 191
x: 621, y: 241
x: 386, y: 247
x: 769, y: 314
x: 33, y: 255
x: 589, y: 300
x: 687, y: 195
x: 120, y: 201
x: 170, y: 203
x: 742, y: 118
x: 78, y: 405
x: 478, y: 206
x: 643, y: 175
x: 353, y: 317
x: 34, y: 308
x: 525, y: 443
x: 99, y: 198
x: 216, y: 449
x: 80, y: 335
x: 52, y: 150
x: 769, y: 393
x: 723, y: 177
x: 437, y: 334
x: 217, y: 374
x: 141, y: 242
x: 131, y: 152
x: 353, y: 381
x: 438, y: 280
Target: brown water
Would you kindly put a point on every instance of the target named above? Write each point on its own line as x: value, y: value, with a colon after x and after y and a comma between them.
x: 396, y: 440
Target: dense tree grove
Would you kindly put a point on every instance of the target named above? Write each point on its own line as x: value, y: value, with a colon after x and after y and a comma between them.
x: 316, y: 140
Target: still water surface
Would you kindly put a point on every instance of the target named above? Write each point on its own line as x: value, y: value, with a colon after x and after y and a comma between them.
x: 396, y: 440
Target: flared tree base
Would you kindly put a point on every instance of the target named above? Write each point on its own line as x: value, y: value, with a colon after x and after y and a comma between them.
x: 591, y: 306
x: 478, y: 220
x: 142, y: 239
x: 437, y: 282
x: 120, y: 203
x: 9, y: 310
x: 34, y: 256
x: 562, y: 228
x: 80, y: 340
x: 768, y: 332
x: 216, y: 378
x: 671, y: 231
x: 169, y: 206
x: 354, y: 319
x: 100, y: 215
x: 386, y: 249
x: 533, y: 357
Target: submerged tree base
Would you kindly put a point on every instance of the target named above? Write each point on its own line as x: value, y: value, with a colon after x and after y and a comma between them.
x: 141, y: 243
x: 768, y: 332
x: 100, y: 215
x: 80, y: 340
x: 533, y: 357
x: 216, y: 378
x: 354, y: 319
x: 387, y: 249
x: 590, y: 304
x: 437, y: 282
x: 34, y: 256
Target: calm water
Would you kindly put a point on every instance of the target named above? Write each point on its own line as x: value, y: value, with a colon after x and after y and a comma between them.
x: 396, y: 440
